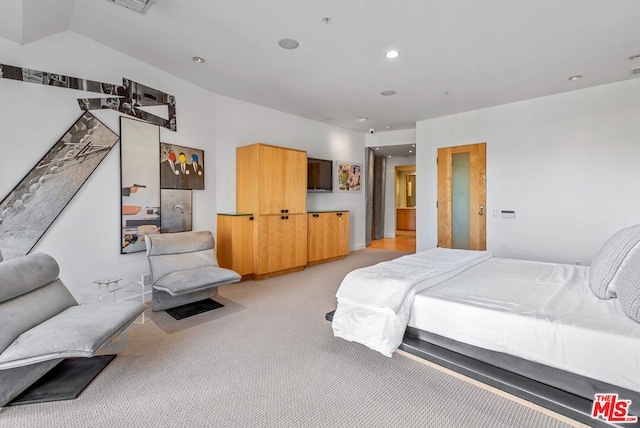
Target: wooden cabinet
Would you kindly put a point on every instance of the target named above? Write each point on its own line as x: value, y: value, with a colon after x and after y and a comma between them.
x: 406, y: 218
x: 282, y: 243
x: 271, y: 180
x: 234, y: 242
x: 327, y: 236
x: 271, y: 183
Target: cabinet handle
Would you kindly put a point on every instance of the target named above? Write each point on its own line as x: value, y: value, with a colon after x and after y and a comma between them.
x: 286, y: 211
x: 339, y: 214
x: 281, y: 211
x: 281, y: 217
x: 251, y: 218
x: 286, y: 217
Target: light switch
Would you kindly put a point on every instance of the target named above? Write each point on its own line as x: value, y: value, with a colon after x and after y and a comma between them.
x: 507, y: 214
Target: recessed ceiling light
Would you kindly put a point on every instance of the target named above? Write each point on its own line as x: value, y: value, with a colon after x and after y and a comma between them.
x: 389, y: 156
x: 392, y: 54
x: 362, y: 119
x: 198, y: 59
x: 576, y: 77
x: 410, y: 151
x: 377, y: 148
x: 387, y: 127
x: 387, y: 93
x: 634, y: 57
x: 413, y: 145
x: 288, y: 44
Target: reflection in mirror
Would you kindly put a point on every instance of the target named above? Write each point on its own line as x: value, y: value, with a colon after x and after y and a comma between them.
x: 406, y: 186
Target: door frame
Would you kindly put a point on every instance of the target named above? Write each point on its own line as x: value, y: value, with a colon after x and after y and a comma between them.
x: 477, y: 196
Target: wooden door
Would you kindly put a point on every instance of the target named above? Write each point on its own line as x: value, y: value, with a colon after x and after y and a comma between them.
x: 248, y: 179
x: 234, y: 243
x: 476, y: 195
x: 330, y: 237
x: 342, y: 241
x: 270, y: 237
x: 272, y: 173
x: 295, y: 181
x: 294, y: 240
x: 315, y: 236
x: 336, y: 236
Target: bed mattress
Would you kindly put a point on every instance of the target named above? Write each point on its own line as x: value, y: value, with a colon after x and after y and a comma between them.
x: 541, y: 312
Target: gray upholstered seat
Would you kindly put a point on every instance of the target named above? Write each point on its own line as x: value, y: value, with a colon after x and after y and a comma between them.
x: 184, y: 268
x: 42, y: 323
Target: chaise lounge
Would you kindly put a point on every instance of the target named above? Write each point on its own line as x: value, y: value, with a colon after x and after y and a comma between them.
x: 42, y: 324
x: 185, y: 269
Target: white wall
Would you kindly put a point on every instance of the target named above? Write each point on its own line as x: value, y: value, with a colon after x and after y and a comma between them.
x: 85, y: 239
x: 237, y: 123
x: 391, y: 138
x: 568, y: 165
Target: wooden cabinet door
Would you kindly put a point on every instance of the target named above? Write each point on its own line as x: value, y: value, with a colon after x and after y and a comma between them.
x: 272, y: 173
x: 248, y: 179
x: 270, y: 239
x: 342, y: 239
x: 330, y: 235
x: 315, y: 236
x: 294, y: 241
x: 295, y: 181
x: 336, y: 234
x: 234, y: 243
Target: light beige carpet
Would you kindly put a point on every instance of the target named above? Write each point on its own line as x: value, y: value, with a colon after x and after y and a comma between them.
x: 269, y: 359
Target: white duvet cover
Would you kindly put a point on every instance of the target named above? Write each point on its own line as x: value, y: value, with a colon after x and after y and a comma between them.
x: 541, y: 312
x: 374, y: 302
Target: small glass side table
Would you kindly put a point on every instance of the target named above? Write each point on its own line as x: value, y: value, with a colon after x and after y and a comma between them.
x: 108, y: 285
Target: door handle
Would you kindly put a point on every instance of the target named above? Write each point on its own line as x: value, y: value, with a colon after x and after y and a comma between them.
x: 481, y: 210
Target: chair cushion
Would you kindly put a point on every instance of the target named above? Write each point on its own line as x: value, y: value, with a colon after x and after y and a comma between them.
x: 190, y: 280
x: 78, y: 331
x: 23, y: 274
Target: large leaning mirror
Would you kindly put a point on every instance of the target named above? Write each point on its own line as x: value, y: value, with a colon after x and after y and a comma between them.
x: 140, y: 182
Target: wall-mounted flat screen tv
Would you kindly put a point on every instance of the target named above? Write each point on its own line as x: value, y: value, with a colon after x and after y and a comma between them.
x: 319, y: 175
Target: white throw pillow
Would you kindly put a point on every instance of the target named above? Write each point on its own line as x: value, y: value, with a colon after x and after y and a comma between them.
x: 628, y: 287
x: 610, y: 259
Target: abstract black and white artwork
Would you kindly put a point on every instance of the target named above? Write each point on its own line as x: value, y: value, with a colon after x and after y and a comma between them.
x: 38, y: 199
x: 129, y: 98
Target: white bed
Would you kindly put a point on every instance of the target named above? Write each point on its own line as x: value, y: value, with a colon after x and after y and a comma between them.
x: 574, y: 328
x: 540, y: 312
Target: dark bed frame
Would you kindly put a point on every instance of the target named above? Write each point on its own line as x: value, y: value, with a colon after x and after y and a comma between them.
x: 565, y: 393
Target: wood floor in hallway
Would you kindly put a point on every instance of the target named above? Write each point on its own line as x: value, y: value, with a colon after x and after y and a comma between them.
x: 404, y: 241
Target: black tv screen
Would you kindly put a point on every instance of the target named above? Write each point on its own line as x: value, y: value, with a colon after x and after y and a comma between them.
x: 319, y: 175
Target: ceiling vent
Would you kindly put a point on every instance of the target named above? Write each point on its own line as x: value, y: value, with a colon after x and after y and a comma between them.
x: 140, y: 6
x: 635, y: 71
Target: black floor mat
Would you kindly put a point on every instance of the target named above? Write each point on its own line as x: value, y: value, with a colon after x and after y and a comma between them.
x: 195, y: 308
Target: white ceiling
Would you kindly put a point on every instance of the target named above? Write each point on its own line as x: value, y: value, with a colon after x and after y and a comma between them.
x: 396, y: 151
x: 455, y: 55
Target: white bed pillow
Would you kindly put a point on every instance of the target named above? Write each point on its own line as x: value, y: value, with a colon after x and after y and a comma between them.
x: 610, y: 259
x: 628, y: 287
